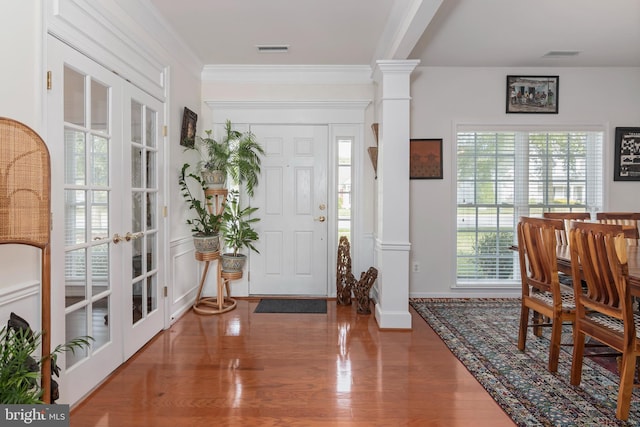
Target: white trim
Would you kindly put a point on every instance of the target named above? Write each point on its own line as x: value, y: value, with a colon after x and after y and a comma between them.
x: 11, y: 294
x: 291, y: 112
x: 288, y: 74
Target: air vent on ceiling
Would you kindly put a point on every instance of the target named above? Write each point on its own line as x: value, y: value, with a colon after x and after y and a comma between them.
x: 273, y: 48
x: 561, y: 53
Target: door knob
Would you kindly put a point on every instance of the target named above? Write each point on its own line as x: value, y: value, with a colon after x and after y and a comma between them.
x: 320, y: 218
x: 132, y: 236
x: 116, y: 238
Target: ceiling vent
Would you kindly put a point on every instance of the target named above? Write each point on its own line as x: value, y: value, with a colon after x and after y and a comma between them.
x: 561, y: 53
x: 284, y: 48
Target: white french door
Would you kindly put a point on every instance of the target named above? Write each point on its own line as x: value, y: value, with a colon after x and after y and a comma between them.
x: 104, y: 138
x: 292, y: 203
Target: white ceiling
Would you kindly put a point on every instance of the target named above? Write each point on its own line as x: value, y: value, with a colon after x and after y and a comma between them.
x: 500, y: 33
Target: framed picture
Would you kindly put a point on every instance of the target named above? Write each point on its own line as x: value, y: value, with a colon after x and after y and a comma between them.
x: 532, y: 94
x: 425, y: 159
x: 627, y: 155
x: 188, y: 134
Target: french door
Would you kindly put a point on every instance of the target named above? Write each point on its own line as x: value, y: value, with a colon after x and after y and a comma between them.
x: 292, y: 206
x: 104, y: 138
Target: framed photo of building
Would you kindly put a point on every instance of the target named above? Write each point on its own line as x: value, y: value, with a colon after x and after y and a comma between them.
x: 532, y: 94
x: 627, y: 154
x: 425, y: 159
x: 188, y: 134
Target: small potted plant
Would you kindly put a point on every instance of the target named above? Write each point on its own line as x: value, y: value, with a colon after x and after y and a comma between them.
x: 237, y: 155
x: 19, y: 371
x: 237, y: 233
x: 206, y: 224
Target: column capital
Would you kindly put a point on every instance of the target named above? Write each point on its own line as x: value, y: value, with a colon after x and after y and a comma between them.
x: 396, y: 65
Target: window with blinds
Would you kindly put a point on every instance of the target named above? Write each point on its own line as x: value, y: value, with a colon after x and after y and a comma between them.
x: 505, y: 174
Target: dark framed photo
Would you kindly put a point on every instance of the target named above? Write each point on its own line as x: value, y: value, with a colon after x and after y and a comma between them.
x: 627, y: 154
x: 532, y: 94
x: 425, y: 159
x: 188, y: 134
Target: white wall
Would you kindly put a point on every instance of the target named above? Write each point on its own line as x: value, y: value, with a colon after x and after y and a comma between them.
x: 443, y: 97
x: 21, y: 77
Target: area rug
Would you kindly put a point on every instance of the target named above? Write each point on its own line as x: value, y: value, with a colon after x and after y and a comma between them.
x: 483, y: 333
x: 272, y: 305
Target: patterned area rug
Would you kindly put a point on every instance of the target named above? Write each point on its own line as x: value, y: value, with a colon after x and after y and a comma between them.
x: 483, y: 334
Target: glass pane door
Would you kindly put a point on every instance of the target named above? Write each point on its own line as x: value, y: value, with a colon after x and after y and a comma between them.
x: 87, y: 145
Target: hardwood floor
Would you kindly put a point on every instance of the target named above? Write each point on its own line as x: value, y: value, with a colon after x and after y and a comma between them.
x: 246, y: 369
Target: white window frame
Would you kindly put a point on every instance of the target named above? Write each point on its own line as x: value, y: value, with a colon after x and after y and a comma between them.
x: 595, y: 188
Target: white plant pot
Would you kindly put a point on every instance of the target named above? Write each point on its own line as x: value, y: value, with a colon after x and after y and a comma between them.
x: 215, y: 179
x: 233, y: 264
x: 206, y: 244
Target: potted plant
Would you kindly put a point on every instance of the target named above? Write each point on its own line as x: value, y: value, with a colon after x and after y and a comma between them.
x: 237, y: 155
x: 237, y: 233
x: 19, y: 371
x: 206, y: 224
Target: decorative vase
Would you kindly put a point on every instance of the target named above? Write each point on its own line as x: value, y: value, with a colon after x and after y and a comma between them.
x: 214, y: 178
x: 206, y: 244
x: 233, y: 263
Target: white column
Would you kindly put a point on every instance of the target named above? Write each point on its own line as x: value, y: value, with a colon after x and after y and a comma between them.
x: 392, y: 239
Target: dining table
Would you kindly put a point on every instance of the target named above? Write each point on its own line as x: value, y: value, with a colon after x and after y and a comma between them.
x: 633, y: 261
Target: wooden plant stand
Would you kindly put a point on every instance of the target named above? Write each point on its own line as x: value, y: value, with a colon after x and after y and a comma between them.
x: 219, y: 303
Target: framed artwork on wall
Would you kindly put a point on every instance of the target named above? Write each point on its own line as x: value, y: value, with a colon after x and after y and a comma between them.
x: 532, y: 94
x: 627, y: 154
x: 188, y: 134
x: 425, y: 159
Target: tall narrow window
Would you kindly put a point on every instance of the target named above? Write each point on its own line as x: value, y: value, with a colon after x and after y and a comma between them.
x: 344, y: 186
x: 503, y: 175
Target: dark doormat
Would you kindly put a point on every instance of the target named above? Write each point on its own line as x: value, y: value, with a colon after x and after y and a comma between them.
x: 291, y: 306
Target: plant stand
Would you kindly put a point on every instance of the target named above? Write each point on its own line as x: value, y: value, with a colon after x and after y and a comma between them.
x: 219, y: 303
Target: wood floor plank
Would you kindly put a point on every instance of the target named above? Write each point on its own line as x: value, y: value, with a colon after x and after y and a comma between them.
x: 265, y: 369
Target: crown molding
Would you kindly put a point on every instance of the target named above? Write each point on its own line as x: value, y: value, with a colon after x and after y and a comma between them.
x: 288, y: 74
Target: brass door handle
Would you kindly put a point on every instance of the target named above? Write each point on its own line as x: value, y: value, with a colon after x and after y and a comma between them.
x: 116, y: 238
x: 132, y: 236
x: 320, y: 218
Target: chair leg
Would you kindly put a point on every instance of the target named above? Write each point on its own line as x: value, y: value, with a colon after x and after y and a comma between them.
x: 578, y: 354
x: 554, y: 345
x: 538, y: 319
x: 522, y: 333
x: 626, y: 384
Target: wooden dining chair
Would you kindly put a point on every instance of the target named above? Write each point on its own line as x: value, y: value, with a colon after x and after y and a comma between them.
x: 604, y: 309
x: 621, y: 218
x: 562, y: 236
x: 541, y: 289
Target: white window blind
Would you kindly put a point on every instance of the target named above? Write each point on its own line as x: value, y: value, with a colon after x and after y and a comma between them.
x: 505, y: 174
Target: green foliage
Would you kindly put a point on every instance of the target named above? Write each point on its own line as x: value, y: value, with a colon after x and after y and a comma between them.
x: 495, y: 259
x: 19, y: 371
x: 205, y: 222
x: 237, y: 155
x: 237, y: 231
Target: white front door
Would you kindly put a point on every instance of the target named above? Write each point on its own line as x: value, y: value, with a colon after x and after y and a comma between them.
x: 293, y: 208
x: 103, y: 136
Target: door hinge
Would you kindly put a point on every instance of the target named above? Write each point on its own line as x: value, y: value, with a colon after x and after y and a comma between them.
x: 164, y: 130
x: 48, y: 80
x: 164, y: 211
x: 165, y: 290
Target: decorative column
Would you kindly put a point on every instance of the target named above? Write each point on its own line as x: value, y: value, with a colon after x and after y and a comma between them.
x: 392, y: 237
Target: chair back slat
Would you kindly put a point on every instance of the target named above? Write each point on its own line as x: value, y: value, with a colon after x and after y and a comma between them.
x: 599, y: 251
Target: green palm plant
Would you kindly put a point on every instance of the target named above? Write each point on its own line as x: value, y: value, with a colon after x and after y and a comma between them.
x: 205, y: 223
x: 237, y: 225
x: 237, y: 155
x: 20, y: 372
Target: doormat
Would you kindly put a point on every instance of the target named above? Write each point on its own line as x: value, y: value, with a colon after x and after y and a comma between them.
x: 291, y: 306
